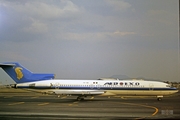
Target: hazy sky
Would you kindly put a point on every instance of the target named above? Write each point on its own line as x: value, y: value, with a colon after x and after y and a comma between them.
x: 90, y: 39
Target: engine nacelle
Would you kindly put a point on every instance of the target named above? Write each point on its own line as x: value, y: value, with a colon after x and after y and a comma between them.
x: 33, y: 85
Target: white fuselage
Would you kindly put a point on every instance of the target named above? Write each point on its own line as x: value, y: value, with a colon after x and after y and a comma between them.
x: 101, y: 87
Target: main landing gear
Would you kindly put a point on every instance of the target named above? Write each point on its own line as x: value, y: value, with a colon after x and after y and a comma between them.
x: 159, y: 98
x: 79, y: 98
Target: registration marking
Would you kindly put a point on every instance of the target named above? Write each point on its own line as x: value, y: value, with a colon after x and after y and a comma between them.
x: 43, y: 104
x: 16, y: 103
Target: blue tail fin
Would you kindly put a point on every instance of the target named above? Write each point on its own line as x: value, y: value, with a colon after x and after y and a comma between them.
x: 20, y: 74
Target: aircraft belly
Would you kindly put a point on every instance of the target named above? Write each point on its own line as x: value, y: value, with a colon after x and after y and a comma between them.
x: 78, y: 92
x: 139, y: 92
x: 106, y: 92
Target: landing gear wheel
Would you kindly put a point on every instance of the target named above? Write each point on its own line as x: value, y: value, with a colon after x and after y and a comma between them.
x: 80, y: 98
x: 159, y: 99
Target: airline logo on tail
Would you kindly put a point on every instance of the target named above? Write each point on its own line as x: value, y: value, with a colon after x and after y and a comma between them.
x: 19, y: 73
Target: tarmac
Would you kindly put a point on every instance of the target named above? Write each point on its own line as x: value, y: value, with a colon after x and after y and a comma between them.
x: 20, y: 104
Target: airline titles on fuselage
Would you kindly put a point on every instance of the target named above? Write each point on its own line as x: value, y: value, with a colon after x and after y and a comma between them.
x: 123, y: 83
x: 106, y: 84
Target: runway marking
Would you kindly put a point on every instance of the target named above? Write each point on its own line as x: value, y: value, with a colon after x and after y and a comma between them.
x: 16, y: 103
x: 156, y: 109
x: 43, y: 104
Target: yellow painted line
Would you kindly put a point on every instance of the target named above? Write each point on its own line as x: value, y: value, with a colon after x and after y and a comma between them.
x: 43, y: 104
x: 156, y: 109
x: 16, y: 103
x: 147, y: 106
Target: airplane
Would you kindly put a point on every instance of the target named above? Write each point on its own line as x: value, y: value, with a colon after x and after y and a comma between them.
x: 47, y: 84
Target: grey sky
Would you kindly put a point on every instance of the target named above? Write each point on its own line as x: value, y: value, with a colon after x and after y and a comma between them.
x: 90, y: 39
